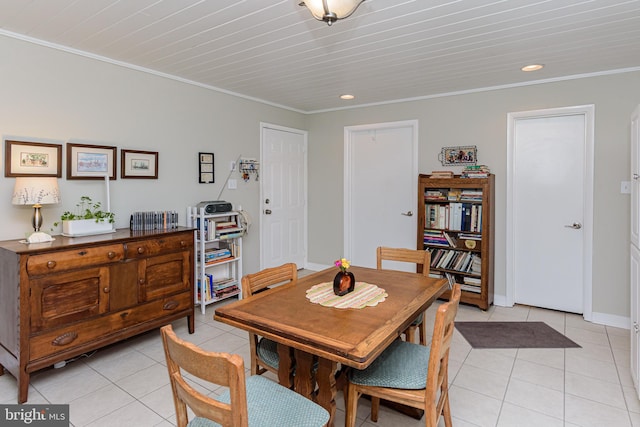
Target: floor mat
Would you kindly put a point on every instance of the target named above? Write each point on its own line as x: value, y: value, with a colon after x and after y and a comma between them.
x: 513, y: 335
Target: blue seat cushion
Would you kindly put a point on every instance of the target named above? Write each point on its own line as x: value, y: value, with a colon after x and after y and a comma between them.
x: 269, y: 405
x: 401, y: 365
x: 268, y: 352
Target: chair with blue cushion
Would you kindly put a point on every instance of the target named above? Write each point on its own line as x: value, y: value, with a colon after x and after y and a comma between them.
x: 255, y: 401
x: 414, y: 256
x: 264, y: 352
x: 410, y: 374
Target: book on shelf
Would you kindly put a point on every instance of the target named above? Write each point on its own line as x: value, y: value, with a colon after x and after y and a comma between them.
x: 470, y: 288
x: 475, y: 171
x: 441, y: 174
x: 472, y: 280
x: 450, y: 279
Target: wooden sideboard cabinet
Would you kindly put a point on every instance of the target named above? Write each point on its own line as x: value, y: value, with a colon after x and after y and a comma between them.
x: 64, y: 298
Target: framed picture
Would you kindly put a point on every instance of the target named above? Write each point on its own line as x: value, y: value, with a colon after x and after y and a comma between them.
x: 461, y: 155
x: 138, y: 164
x: 32, y: 159
x: 90, y: 161
x: 206, y: 170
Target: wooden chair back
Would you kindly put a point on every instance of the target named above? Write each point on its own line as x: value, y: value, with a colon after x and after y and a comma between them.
x: 434, y: 398
x: 415, y: 256
x: 258, y: 282
x: 219, y: 368
x: 438, y: 369
x: 422, y: 259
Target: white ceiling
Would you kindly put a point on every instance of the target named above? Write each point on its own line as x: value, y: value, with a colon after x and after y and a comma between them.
x: 274, y: 51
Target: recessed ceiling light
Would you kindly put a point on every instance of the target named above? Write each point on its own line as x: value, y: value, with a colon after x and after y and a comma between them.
x: 532, y: 67
x: 347, y: 96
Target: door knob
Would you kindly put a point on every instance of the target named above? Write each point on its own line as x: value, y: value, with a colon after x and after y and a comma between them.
x: 636, y: 176
x: 408, y: 213
x: 575, y: 226
x: 267, y: 211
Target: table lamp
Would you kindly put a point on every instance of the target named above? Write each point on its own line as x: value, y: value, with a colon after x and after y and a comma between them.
x: 36, y: 191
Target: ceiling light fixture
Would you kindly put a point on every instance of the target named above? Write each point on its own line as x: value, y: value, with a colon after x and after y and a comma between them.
x: 347, y: 96
x: 330, y: 11
x: 532, y: 67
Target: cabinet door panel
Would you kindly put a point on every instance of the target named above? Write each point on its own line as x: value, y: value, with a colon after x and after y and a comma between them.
x: 58, y: 299
x: 164, y: 275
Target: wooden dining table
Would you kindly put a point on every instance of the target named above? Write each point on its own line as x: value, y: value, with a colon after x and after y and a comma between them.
x: 316, y: 335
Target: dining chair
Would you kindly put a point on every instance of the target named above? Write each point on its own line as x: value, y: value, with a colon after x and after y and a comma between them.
x: 410, y: 374
x: 415, y: 256
x: 264, y: 352
x: 252, y: 401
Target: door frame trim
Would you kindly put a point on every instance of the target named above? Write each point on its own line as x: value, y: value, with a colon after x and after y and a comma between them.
x: 264, y: 165
x: 348, y: 142
x: 588, y: 111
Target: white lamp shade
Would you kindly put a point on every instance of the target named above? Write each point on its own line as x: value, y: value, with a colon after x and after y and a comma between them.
x: 36, y: 191
x: 338, y: 8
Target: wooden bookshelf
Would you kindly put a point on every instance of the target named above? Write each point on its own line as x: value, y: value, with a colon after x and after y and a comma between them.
x: 456, y: 224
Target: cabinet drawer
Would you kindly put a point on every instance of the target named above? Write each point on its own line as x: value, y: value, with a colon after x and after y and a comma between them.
x: 144, y: 248
x: 103, y: 328
x: 67, y: 260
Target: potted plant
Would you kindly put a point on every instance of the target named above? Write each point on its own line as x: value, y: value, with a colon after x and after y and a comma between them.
x: 89, y: 218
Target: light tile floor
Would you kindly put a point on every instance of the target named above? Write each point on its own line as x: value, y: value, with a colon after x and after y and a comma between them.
x: 126, y: 384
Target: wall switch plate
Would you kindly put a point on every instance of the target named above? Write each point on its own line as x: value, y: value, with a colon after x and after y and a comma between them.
x: 625, y: 187
x: 233, y: 184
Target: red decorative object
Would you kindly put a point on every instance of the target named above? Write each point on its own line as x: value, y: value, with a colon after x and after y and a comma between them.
x: 343, y: 283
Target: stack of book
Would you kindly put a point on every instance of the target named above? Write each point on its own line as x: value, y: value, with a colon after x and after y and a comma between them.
x: 436, y: 237
x: 441, y: 174
x: 213, y: 255
x: 471, y: 284
x: 435, y: 195
x: 228, y: 230
x: 476, y: 171
x: 216, y: 288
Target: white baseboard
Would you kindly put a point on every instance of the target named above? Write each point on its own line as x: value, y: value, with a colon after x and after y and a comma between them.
x: 611, y: 320
x: 316, y: 267
x: 598, y: 318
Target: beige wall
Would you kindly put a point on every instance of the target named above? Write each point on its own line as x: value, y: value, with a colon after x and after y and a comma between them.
x: 481, y: 119
x: 49, y: 95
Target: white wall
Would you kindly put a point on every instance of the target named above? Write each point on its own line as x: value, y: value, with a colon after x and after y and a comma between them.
x: 48, y: 95
x: 481, y: 119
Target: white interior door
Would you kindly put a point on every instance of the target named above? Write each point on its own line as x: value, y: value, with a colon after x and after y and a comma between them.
x: 283, y: 190
x: 549, y: 220
x: 381, y: 174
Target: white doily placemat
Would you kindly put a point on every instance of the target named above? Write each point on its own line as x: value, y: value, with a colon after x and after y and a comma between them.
x: 363, y: 295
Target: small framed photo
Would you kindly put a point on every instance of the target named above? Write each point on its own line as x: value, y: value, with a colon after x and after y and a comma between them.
x: 461, y: 155
x: 138, y: 164
x: 32, y: 159
x: 206, y: 170
x: 90, y: 161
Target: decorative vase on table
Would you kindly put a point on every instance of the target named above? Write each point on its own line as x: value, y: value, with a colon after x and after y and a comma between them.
x: 344, y: 282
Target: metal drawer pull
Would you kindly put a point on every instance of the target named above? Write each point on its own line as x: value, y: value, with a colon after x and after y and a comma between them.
x: 170, y: 305
x: 111, y: 255
x: 65, y: 339
x: 51, y: 264
x: 141, y: 250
